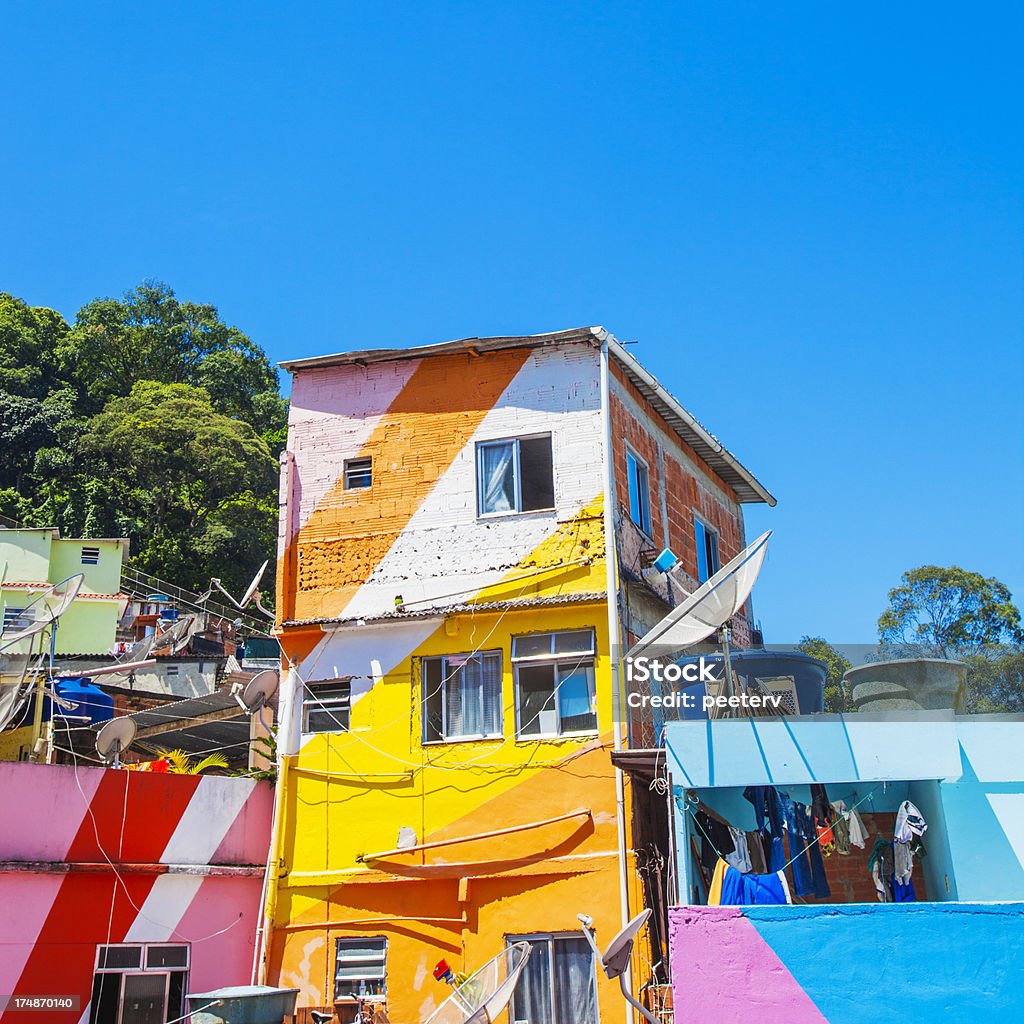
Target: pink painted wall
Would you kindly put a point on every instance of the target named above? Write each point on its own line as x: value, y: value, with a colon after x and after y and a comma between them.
x: 723, y: 972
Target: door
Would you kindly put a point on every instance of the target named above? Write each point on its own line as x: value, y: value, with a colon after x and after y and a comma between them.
x: 144, y: 999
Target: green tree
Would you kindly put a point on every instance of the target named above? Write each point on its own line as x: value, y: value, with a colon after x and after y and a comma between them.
x: 948, y: 612
x: 188, y: 485
x: 996, y: 681
x: 836, y: 696
x: 149, y: 334
x: 34, y: 403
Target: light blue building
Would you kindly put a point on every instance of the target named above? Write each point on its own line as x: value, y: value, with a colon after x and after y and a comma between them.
x: 956, y: 954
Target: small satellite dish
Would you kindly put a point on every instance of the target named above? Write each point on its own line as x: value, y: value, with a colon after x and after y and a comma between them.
x: 114, y: 739
x: 616, y: 956
x: 711, y: 605
x: 251, y: 593
x: 483, y: 996
x: 259, y: 690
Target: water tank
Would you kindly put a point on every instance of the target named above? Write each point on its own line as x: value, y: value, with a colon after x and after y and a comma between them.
x: 242, y: 1004
x: 92, y: 702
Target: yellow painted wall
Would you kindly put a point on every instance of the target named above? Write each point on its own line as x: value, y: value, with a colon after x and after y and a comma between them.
x: 532, y: 881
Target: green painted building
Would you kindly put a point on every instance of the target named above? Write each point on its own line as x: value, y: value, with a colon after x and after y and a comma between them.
x: 32, y: 560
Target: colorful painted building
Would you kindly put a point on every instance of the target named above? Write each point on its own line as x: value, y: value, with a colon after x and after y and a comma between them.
x: 454, y: 520
x: 122, y: 891
x: 953, y: 954
x: 33, y: 559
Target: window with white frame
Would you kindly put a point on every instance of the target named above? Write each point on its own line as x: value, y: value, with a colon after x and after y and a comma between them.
x: 90, y: 556
x: 358, y: 474
x: 554, y: 678
x: 326, y: 705
x: 515, y: 475
x: 16, y: 619
x: 360, y: 967
x: 638, y: 485
x: 706, y: 540
x: 559, y: 982
x: 461, y: 696
x: 135, y: 983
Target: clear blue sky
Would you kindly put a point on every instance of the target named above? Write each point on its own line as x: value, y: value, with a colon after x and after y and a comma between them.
x: 810, y: 219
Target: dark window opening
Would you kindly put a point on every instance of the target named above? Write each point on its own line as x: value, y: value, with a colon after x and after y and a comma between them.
x: 358, y: 473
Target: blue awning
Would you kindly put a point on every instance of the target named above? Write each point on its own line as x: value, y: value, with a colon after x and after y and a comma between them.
x: 812, y: 748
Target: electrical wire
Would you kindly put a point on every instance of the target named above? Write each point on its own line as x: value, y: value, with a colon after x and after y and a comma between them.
x: 171, y: 929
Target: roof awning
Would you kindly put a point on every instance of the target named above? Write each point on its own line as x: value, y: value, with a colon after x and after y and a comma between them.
x: 741, y: 752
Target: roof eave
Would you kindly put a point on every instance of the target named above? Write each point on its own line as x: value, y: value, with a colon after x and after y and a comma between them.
x: 747, y: 487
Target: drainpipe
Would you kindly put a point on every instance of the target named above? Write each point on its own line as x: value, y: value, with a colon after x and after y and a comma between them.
x: 614, y: 634
x: 287, y: 748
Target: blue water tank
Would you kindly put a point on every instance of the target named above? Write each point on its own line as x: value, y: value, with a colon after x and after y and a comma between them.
x: 92, y: 702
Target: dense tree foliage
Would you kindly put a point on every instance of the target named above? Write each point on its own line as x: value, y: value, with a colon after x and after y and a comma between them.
x: 149, y: 418
x: 947, y: 610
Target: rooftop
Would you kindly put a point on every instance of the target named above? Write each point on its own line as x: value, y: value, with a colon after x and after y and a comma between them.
x: 747, y: 487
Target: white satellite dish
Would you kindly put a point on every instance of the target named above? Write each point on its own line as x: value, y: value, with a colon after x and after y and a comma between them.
x: 485, y: 994
x: 251, y: 593
x: 114, y: 739
x: 710, y: 606
x: 615, y: 960
x: 259, y: 690
x: 42, y: 611
x: 247, y: 596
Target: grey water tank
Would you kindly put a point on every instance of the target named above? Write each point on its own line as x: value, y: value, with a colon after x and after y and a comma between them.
x: 911, y: 684
x: 242, y: 1004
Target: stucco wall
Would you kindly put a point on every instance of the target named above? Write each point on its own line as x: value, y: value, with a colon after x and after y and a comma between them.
x: 943, y: 963
x: 188, y: 852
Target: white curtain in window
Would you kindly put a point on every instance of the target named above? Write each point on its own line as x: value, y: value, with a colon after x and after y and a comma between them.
x: 499, y: 492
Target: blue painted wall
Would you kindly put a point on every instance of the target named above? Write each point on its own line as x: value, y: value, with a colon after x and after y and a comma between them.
x: 966, y: 774
x: 944, y: 963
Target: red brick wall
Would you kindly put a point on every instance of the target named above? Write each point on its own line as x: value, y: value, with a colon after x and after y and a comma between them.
x: 690, y: 485
x: 849, y: 878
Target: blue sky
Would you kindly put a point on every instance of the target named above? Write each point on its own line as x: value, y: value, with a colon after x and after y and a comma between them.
x: 810, y: 218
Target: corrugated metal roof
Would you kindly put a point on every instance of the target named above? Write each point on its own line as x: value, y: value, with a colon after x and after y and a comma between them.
x: 747, y: 487
x: 439, y: 611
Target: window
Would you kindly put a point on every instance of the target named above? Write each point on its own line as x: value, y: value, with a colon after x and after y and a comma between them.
x: 138, y: 983
x: 554, y: 675
x: 707, y: 550
x: 16, y: 619
x: 90, y: 556
x: 172, y: 670
x: 461, y: 697
x: 360, y: 967
x: 515, y: 475
x: 558, y: 984
x: 639, y: 491
x: 358, y: 473
x: 326, y: 706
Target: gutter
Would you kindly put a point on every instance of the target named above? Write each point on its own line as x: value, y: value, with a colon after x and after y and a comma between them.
x: 614, y: 628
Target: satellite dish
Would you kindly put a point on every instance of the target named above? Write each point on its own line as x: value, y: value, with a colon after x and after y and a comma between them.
x: 114, y: 739
x: 615, y: 960
x: 251, y: 593
x: 616, y: 956
x: 42, y: 611
x: 486, y: 992
x: 711, y: 605
x: 175, y: 636
x: 259, y: 690
x: 247, y: 596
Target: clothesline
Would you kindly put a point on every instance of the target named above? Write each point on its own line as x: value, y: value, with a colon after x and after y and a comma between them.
x: 689, y: 807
